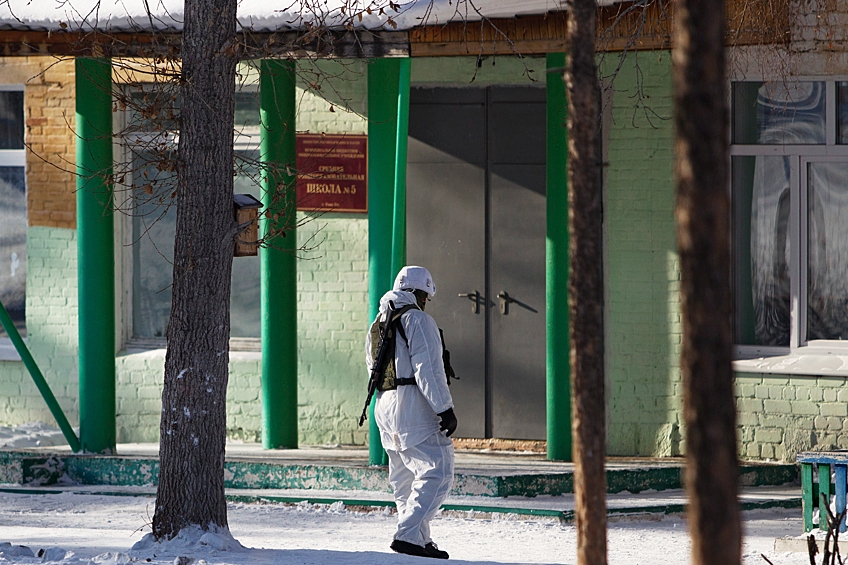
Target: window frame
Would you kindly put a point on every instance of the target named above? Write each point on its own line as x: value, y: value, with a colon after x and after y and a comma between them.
x: 243, y: 140
x: 799, y: 156
x: 14, y: 158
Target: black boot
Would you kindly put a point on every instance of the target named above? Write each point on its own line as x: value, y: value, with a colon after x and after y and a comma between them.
x: 407, y: 548
x: 433, y: 551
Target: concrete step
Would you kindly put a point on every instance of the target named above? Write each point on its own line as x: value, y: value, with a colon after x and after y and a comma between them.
x: 560, y: 508
x: 487, y: 475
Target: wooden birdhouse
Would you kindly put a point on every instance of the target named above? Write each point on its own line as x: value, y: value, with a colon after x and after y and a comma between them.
x: 246, y: 209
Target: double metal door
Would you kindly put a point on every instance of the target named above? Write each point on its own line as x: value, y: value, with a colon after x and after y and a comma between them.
x: 476, y: 219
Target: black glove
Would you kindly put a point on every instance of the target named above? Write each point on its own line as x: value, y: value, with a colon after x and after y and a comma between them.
x: 448, y: 423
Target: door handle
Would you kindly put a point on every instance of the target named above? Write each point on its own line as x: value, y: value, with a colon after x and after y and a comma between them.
x: 474, y: 297
x: 505, y: 299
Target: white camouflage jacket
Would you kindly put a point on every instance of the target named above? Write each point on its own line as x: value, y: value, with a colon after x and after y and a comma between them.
x: 407, y: 415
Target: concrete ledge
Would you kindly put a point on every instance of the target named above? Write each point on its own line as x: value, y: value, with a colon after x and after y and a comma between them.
x: 796, y: 545
x: 42, y: 469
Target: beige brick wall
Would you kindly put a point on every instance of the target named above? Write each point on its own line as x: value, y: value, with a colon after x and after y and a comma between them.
x: 49, y: 108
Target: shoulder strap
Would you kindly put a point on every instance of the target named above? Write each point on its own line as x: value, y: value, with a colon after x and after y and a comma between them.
x: 397, y: 316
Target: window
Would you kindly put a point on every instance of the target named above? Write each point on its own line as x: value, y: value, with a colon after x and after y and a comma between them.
x: 789, y: 182
x: 153, y: 222
x: 13, y: 219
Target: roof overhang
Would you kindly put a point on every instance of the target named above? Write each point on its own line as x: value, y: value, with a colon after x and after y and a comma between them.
x: 363, y: 29
x: 263, y: 16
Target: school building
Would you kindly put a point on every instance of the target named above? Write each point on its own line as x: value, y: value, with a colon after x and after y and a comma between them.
x: 475, y: 191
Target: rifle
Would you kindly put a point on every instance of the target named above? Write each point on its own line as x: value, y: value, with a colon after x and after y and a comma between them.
x: 378, y: 367
x: 449, y: 372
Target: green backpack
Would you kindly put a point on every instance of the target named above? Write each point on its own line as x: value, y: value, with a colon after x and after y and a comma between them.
x: 389, y: 380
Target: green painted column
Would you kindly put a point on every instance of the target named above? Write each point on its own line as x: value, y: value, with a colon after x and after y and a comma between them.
x: 383, y: 81
x: 401, y: 146
x: 556, y: 250
x: 277, y: 260
x: 95, y: 255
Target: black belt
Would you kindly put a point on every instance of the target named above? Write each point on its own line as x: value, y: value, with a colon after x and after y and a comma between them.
x: 402, y: 382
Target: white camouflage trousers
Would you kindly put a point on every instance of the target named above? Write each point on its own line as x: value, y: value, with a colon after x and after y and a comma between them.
x: 421, y: 477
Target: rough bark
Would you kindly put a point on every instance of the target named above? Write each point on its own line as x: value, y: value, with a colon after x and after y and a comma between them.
x: 703, y: 216
x: 585, y: 296
x: 193, y: 426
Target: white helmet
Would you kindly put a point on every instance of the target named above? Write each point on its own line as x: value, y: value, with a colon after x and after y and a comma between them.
x: 417, y: 278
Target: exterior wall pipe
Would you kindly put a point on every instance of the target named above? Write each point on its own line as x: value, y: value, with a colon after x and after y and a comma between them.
x: 277, y: 259
x: 40, y: 382
x: 383, y: 80
x: 556, y: 266
x: 96, y: 263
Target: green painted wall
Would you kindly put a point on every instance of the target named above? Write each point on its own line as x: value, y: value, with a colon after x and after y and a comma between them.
x: 332, y: 303
x: 778, y: 415
x: 641, y: 265
x: 51, y: 307
x: 332, y: 295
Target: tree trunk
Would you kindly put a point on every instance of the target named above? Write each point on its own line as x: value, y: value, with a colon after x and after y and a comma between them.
x: 585, y: 296
x: 703, y: 217
x: 193, y: 426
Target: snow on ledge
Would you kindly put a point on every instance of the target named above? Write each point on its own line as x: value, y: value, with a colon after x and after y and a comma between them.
x: 262, y: 15
x: 802, y: 364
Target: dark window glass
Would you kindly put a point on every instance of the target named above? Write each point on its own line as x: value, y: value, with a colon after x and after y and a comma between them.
x: 13, y: 226
x: 154, y: 110
x: 158, y: 110
x: 247, y: 109
x: 761, y: 249
x: 783, y: 113
x: 11, y: 119
x: 842, y: 112
x: 154, y: 225
x: 827, y: 250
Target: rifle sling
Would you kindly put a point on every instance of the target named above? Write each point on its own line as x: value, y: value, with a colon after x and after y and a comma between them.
x: 399, y: 327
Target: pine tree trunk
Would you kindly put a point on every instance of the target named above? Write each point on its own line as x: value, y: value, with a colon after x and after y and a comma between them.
x: 193, y: 426
x: 586, y: 286
x: 703, y: 230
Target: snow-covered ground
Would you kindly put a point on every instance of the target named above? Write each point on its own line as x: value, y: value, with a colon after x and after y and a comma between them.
x: 34, y: 434
x: 92, y: 529
x: 81, y: 529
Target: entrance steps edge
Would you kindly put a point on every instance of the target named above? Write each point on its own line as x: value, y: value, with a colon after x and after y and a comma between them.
x: 532, y: 478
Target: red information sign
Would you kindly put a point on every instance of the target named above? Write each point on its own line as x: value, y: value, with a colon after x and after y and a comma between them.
x: 332, y: 172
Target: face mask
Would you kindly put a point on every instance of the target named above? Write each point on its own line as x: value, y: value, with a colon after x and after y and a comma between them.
x: 421, y: 298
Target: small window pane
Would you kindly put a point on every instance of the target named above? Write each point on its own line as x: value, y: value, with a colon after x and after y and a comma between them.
x: 827, y: 250
x: 842, y: 113
x: 779, y: 113
x: 154, y: 221
x: 158, y: 110
x: 13, y: 226
x: 761, y: 250
x: 11, y: 119
x: 154, y: 226
x: 247, y: 110
x: 154, y: 110
x: 244, y: 296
